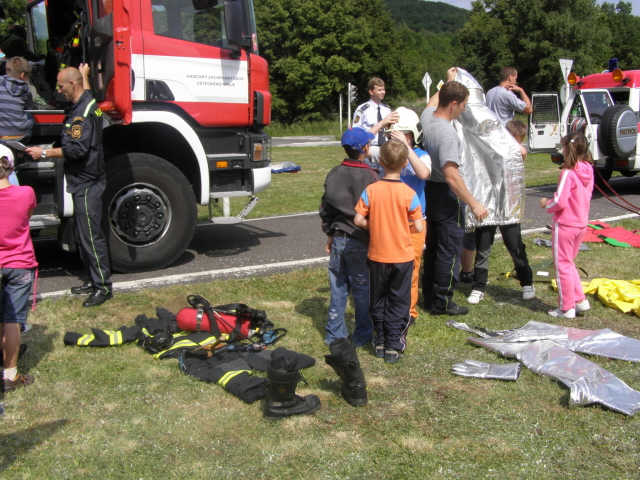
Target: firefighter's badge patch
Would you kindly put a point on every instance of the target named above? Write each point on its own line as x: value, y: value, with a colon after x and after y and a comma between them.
x: 76, y: 132
x: 357, y: 119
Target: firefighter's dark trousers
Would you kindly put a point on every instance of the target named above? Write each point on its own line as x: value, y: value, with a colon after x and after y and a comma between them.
x: 91, y: 239
x: 445, y: 230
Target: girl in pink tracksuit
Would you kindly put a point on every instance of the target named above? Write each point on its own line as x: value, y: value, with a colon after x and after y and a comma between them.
x: 570, y: 209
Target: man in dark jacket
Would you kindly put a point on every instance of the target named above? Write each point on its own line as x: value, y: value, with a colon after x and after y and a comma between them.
x: 86, y: 179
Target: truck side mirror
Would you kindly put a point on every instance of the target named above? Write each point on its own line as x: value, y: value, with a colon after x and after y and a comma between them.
x: 233, y: 23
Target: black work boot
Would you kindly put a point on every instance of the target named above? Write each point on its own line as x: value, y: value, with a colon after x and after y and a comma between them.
x: 282, y: 400
x: 344, y: 360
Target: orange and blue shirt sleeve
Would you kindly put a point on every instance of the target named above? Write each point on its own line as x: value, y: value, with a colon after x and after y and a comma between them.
x: 362, y: 207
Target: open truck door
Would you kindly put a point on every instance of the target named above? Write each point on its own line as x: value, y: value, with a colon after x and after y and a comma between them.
x: 544, y: 123
x: 109, y: 56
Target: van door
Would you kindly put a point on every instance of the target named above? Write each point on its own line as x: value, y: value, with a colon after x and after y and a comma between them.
x: 544, y: 122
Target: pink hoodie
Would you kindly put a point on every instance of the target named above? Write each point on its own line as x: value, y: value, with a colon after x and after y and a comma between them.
x: 570, y: 203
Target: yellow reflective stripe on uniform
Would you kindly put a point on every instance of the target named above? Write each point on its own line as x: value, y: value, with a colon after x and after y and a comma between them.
x: 67, y: 125
x: 184, y: 344
x: 115, y: 337
x: 85, y: 339
x: 86, y: 111
x: 229, y: 375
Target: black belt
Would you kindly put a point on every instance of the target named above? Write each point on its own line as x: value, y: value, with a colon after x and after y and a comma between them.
x: 340, y: 233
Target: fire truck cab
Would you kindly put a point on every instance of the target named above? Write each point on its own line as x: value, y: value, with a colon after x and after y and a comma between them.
x: 603, y: 106
x: 184, y: 96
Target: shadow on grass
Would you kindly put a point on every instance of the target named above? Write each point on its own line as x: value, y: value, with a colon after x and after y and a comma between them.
x: 316, y: 308
x: 40, y: 344
x: 14, y: 445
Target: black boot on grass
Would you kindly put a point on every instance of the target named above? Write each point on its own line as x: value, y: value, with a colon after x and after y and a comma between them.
x: 282, y: 400
x: 344, y: 360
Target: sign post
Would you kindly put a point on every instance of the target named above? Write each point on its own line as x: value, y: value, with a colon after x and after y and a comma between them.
x: 565, y: 66
x: 426, y: 81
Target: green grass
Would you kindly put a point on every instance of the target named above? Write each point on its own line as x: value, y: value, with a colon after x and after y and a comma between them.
x: 319, y: 127
x: 116, y: 413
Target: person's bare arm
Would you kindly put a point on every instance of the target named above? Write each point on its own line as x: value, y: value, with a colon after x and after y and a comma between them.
x: 457, y: 185
x: 422, y: 171
x: 84, y: 70
x: 36, y: 152
x: 417, y: 226
x: 385, y: 122
x: 523, y: 96
x: 361, y: 222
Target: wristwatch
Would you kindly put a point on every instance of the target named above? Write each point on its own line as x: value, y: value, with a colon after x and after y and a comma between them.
x: 44, y: 153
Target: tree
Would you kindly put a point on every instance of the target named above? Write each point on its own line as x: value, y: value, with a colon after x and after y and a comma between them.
x: 624, y: 28
x: 531, y: 36
x: 14, y: 13
x: 316, y: 47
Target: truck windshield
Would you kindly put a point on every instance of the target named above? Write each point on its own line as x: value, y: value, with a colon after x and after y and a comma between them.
x: 195, y: 21
x: 40, y: 32
x: 596, y: 103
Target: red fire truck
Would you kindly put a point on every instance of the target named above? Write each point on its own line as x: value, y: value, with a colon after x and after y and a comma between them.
x: 185, y: 97
x: 604, y: 106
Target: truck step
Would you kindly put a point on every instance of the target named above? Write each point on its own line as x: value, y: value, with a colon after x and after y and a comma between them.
x: 43, y: 221
x: 238, y: 218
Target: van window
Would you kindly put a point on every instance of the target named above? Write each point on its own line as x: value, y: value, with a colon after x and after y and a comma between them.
x: 597, y: 103
x: 198, y: 21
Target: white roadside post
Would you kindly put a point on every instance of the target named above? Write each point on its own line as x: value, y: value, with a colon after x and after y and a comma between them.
x: 340, y: 110
x: 426, y: 81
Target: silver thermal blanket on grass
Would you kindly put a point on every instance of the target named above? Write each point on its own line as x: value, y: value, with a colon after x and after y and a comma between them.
x: 492, y: 165
x: 550, y: 350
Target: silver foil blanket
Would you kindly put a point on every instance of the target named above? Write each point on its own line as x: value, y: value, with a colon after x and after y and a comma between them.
x: 544, y: 348
x: 492, y: 165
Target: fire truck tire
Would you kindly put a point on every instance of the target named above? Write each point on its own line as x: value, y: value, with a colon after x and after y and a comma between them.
x: 618, y: 132
x: 151, y: 210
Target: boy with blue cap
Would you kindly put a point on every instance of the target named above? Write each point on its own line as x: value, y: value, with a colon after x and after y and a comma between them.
x: 348, y: 244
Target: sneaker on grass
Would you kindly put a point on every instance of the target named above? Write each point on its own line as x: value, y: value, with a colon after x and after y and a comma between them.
x: 583, y: 306
x: 475, y: 297
x: 558, y: 313
x: 528, y: 292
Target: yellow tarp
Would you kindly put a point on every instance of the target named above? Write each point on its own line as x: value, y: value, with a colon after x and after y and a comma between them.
x: 619, y: 294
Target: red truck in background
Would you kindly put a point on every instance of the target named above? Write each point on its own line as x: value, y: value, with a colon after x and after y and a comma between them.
x: 603, y: 106
x: 184, y: 96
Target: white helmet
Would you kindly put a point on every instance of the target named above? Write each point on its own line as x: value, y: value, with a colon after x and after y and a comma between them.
x: 408, y: 122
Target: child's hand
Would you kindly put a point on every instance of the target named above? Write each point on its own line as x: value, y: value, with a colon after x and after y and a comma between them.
x: 399, y: 136
x: 543, y: 202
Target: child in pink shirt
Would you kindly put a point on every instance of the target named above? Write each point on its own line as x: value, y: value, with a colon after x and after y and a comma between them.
x: 570, y: 208
x: 18, y: 266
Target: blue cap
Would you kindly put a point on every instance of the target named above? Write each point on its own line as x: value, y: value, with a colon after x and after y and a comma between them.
x: 357, y: 138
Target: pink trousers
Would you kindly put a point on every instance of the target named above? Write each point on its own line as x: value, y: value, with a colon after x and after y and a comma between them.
x: 566, y: 242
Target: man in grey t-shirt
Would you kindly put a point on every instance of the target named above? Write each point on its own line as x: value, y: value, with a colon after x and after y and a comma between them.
x: 502, y: 100
x: 447, y: 196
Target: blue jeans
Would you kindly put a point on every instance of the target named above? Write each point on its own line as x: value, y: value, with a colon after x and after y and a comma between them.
x: 14, y: 294
x: 348, y: 270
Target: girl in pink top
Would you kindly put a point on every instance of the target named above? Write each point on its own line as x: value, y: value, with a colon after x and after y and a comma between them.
x: 570, y: 209
x: 18, y: 266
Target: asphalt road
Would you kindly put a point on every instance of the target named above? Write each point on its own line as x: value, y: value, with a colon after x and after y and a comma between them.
x: 267, y: 245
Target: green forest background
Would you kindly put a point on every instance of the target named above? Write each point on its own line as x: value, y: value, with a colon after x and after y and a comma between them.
x: 316, y: 47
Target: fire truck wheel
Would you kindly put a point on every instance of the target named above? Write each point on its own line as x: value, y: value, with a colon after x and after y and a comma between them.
x: 618, y: 132
x: 151, y: 209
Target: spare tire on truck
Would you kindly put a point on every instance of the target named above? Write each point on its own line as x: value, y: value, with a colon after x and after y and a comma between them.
x: 151, y: 209
x: 618, y: 132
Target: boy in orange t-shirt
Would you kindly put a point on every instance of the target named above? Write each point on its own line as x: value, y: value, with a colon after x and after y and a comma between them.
x: 386, y: 208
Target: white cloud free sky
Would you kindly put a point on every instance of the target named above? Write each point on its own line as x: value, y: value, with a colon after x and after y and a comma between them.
x: 466, y: 4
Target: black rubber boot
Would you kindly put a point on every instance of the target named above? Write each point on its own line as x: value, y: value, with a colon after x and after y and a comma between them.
x: 282, y: 400
x: 344, y: 360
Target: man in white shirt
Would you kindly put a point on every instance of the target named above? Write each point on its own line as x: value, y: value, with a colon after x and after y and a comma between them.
x: 370, y: 113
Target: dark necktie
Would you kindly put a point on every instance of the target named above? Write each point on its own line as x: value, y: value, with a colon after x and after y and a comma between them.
x: 380, y: 133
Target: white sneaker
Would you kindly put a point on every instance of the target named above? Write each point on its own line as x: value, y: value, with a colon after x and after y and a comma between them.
x: 558, y: 313
x: 583, y: 306
x: 475, y: 297
x: 528, y: 292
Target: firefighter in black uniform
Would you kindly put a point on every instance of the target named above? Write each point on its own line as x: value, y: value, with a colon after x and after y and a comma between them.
x: 81, y: 148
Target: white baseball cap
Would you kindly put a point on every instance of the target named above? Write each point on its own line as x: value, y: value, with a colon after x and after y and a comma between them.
x: 6, y: 152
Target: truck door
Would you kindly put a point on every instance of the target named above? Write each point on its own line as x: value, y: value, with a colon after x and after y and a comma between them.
x: 109, y: 56
x: 544, y: 122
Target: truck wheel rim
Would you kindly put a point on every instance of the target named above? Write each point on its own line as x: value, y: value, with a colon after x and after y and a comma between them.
x: 140, y: 214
